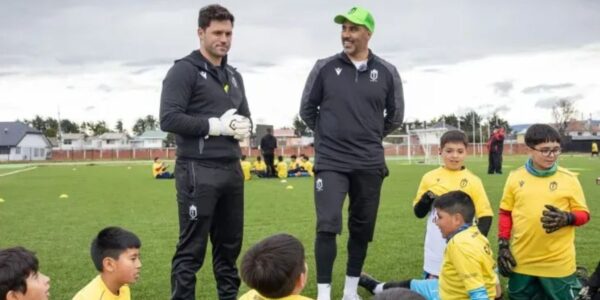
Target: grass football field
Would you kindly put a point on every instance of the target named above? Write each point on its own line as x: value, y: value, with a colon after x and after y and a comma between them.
x: 60, y: 230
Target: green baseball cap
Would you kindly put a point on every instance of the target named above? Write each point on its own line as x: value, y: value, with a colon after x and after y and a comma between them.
x: 359, y: 16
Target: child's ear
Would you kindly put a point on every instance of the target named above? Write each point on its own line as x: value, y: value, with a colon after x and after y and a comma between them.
x: 109, y: 264
x: 12, y: 295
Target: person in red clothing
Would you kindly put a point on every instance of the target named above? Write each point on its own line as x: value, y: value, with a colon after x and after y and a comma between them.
x: 495, y: 145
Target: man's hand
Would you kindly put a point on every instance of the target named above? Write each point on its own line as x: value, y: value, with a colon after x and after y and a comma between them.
x: 230, y: 124
x: 554, y: 219
x: 506, y: 262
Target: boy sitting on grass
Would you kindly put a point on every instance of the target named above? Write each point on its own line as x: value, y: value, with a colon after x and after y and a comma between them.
x: 19, y: 276
x: 116, y: 255
x: 275, y: 268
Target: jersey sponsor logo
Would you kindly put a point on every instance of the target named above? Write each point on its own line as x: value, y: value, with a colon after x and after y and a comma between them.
x: 374, y: 75
x: 464, y: 182
x: 553, y: 186
x: 338, y: 71
x: 193, y: 212
x: 521, y: 183
x: 319, y: 185
x: 203, y: 74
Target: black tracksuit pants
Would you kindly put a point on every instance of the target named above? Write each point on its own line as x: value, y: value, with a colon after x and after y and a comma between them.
x: 495, y: 163
x: 210, y: 200
x: 269, y: 157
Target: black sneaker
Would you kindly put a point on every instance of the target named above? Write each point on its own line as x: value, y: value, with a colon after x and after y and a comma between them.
x: 368, y: 283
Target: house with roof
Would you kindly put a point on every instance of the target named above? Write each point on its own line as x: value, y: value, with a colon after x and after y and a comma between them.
x: 19, y: 141
x: 73, y: 141
x: 114, y: 140
x: 150, y: 139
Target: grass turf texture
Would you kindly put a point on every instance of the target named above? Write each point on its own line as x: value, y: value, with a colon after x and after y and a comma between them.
x: 60, y: 230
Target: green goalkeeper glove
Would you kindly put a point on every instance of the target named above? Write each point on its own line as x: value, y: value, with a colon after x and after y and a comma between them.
x: 554, y: 219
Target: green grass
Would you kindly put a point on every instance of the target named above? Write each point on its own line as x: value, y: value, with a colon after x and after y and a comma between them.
x: 60, y: 230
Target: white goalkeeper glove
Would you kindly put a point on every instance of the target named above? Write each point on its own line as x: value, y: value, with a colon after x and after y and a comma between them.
x: 230, y: 124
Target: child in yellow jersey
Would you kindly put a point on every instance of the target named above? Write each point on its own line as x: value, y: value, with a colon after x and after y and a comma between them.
x: 275, y: 268
x: 281, y: 167
x: 246, y: 166
x: 594, y: 149
x: 540, y: 207
x: 452, y: 176
x: 159, y: 170
x: 468, y: 265
x: 307, y: 165
x: 116, y: 255
x: 259, y: 167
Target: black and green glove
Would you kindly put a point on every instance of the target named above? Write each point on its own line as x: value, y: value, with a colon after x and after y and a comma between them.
x: 506, y: 262
x: 554, y: 219
x: 424, y: 205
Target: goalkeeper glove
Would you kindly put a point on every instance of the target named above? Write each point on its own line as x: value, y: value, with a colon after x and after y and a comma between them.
x: 230, y: 124
x: 506, y: 262
x: 554, y: 219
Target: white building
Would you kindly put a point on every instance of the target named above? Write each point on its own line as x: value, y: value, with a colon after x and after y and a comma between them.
x: 19, y: 141
x: 150, y: 139
x: 73, y: 141
x: 114, y: 140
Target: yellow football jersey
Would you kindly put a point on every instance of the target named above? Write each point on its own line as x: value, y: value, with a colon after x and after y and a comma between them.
x: 254, y: 295
x: 282, y: 170
x: 468, y: 264
x: 246, y: 166
x: 594, y: 147
x: 259, y: 166
x: 308, y: 166
x: 157, y: 168
x: 539, y: 253
x: 97, y: 290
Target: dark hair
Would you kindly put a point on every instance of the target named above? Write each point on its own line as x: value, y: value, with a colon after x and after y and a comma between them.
x: 453, y: 136
x: 16, y: 264
x: 273, y: 265
x: 541, y: 133
x: 258, y: 158
x: 280, y: 158
x: 456, y: 202
x: 398, y: 293
x: 155, y: 158
x: 111, y: 242
x: 243, y: 157
x: 305, y: 156
x: 213, y: 12
x: 294, y: 156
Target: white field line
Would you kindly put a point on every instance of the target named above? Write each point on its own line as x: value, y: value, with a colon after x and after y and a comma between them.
x: 17, y: 171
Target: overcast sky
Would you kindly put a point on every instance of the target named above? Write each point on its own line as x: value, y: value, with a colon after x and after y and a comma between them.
x: 105, y: 60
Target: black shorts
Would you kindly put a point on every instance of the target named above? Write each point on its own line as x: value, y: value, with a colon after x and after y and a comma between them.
x: 363, y: 188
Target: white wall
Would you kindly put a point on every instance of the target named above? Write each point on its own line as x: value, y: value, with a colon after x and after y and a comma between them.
x: 31, y: 147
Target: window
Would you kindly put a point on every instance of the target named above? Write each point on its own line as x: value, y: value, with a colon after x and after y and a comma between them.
x: 4, y: 150
x: 18, y: 150
x: 67, y: 142
x: 36, y: 152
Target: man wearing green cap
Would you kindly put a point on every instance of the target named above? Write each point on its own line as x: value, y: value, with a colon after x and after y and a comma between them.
x: 351, y: 101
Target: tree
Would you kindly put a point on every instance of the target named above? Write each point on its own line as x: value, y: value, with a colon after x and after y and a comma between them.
x: 139, y: 127
x: 563, y: 111
x: 119, y: 126
x: 300, y: 128
x: 97, y: 128
x: 66, y: 126
x: 151, y: 123
x: 467, y: 121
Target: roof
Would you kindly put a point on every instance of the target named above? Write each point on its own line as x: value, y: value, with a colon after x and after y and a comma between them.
x: 11, y: 133
x: 73, y: 136
x: 152, y: 135
x: 113, y: 136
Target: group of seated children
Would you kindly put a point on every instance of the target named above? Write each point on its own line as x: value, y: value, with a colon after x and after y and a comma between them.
x: 159, y: 170
x: 298, y: 167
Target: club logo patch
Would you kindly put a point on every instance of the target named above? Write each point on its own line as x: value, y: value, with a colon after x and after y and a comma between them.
x: 464, y: 182
x: 553, y: 186
x: 374, y: 75
x: 338, y: 71
x: 319, y: 185
x: 203, y: 74
x: 193, y: 212
x: 521, y: 183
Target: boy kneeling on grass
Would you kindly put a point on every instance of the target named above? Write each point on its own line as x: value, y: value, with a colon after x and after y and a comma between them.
x: 116, y: 255
x: 19, y: 276
x: 275, y: 269
x: 468, y: 265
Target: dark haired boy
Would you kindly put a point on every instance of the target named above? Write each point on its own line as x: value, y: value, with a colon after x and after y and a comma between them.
x: 19, y: 276
x: 452, y: 176
x: 275, y: 268
x: 541, y: 205
x: 116, y: 255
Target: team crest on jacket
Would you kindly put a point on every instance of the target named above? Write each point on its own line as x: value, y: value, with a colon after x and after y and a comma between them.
x: 464, y: 182
x: 338, y: 71
x: 553, y: 185
x: 203, y: 74
x: 193, y: 212
x: 374, y: 75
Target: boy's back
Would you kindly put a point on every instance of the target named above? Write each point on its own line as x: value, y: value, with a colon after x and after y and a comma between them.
x: 97, y: 290
x: 440, y: 181
x: 468, y: 261
x: 254, y: 295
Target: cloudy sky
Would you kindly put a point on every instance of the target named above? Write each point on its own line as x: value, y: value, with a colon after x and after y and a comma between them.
x: 105, y: 59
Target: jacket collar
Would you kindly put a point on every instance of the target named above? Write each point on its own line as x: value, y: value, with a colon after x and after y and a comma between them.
x: 197, y: 59
x: 344, y: 57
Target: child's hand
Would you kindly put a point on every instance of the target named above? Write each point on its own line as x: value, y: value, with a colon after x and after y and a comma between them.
x: 554, y: 219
